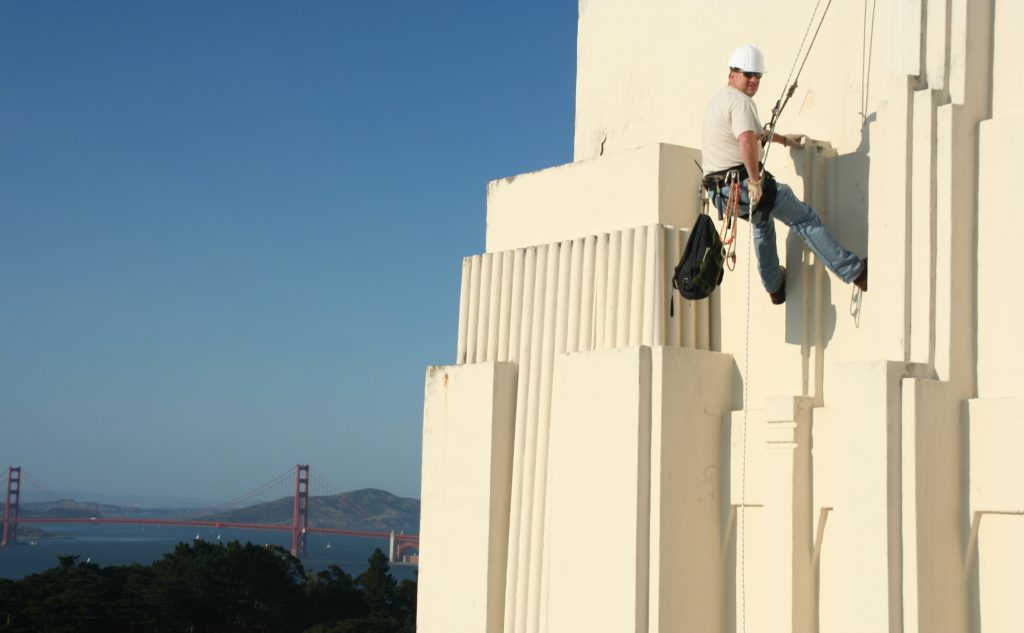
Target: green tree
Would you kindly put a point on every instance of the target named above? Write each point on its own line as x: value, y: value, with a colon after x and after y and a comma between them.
x: 331, y: 596
x: 225, y: 588
x: 203, y: 587
x: 72, y: 597
x: 378, y: 585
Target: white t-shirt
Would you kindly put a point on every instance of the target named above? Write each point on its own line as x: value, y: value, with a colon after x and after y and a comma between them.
x: 729, y: 114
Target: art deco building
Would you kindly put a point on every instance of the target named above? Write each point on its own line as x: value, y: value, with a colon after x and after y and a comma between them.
x: 605, y: 456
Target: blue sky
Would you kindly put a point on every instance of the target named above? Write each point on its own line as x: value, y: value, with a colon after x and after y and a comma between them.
x: 231, y: 232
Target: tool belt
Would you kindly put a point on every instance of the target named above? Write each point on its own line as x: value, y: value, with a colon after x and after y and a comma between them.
x: 722, y: 175
x: 714, y: 182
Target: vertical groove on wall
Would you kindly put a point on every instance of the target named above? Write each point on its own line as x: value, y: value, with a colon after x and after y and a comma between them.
x: 464, y: 292
x: 516, y: 308
x: 600, y: 292
x: 587, y: 295
x: 505, y: 306
x: 623, y: 288
x: 637, y: 287
x: 612, y: 290
x: 563, y: 308
x: 494, y: 307
x: 572, y: 318
x: 512, y: 586
x: 652, y: 328
x: 484, y: 303
x: 702, y: 325
x: 688, y: 324
x: 474, y: 309
x: 527, y: 456
x: 553, y: 286
x: 673, y: 324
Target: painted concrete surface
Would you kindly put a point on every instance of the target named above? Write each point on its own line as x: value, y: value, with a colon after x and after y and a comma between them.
x: 467, y: 464
x: 655, y: 182
x: 610, y: 457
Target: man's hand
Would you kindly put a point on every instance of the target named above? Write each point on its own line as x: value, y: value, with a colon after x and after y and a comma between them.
x: 795, y: 141
x: 754, y: 191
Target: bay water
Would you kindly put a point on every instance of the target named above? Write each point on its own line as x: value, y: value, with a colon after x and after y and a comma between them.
x: 107, y: 545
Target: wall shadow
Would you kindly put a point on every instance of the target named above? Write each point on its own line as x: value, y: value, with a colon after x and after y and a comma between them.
x: 839, y: 187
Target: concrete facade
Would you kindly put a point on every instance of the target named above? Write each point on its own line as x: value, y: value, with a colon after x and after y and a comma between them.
x: 606, y: 456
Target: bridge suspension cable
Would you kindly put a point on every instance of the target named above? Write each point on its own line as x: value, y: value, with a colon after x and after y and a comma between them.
x: 276, y: 488
x: 344, y: 501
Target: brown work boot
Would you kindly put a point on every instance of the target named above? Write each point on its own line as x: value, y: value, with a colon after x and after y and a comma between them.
x: 779, y: 296
x: 862, y: 279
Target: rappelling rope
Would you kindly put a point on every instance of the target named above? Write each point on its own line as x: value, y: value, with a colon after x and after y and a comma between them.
x: 787, y: 93
x: 787, y: 88
x: 728, y: 234
x: 742, y: 490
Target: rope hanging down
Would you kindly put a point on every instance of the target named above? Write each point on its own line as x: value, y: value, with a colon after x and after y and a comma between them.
x: 780, y: 105
x: 728, y: 234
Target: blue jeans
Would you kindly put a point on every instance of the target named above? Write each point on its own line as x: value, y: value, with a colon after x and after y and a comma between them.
x: 807, y: 224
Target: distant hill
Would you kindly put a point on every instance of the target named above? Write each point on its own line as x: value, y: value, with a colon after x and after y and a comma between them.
x: 366, y: 509
x: 72, y: 509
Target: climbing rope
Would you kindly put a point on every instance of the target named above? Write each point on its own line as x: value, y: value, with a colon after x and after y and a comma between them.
x: 728, y: 234
x: 787, y: 92
x: 787, y: 88
x: 746, y: 409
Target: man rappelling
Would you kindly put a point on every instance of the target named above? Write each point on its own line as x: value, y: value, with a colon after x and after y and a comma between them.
x: 732, y: 143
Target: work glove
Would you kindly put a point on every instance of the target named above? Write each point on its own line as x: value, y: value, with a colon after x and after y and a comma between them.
x: 795, y: 141
x: 754, y: 191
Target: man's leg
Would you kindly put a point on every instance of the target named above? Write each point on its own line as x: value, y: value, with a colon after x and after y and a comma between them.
x: 767, y: 254
x: 772, y: 276
x: 807, y: 224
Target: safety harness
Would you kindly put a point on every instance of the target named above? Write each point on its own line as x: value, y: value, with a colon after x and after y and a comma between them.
x: 729, y: 180
x: 713, y: 185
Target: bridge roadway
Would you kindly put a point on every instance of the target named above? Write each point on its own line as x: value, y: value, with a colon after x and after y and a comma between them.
x: 400, y: 538
x: 401, y: 541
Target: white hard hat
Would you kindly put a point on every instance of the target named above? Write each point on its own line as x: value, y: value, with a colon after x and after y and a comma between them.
x: 747, y: 58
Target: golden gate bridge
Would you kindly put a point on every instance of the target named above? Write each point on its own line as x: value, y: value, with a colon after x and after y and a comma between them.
x: 297, y: 479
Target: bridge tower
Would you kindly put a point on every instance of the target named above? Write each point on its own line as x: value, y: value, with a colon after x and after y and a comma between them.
x: 300, y: 510
x: 11, y: 505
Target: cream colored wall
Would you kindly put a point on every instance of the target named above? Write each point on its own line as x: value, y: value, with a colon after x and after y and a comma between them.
x: 469, y: 413
x: 996, y: 415
x: 647, y: 68
x: 1007, y: 57
x: 600, y: 453
x: 845, y: 462
x: 1000, y: 372
x: 587, y: 197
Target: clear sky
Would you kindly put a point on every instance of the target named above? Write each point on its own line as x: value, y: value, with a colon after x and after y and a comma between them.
x: 231, y: 231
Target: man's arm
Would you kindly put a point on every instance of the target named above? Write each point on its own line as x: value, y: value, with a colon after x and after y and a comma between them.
x: 785, y: 140
x: 750, y: 152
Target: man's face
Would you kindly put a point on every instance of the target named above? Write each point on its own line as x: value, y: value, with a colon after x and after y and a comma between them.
x: 747, y: 83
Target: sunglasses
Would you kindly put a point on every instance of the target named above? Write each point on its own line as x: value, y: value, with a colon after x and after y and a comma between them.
x: 748, y: 75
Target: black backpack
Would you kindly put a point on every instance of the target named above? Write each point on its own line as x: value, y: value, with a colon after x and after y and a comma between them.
x: 700, y: 269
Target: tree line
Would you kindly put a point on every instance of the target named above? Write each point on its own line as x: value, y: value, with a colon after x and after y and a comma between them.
x: 206, y: 587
